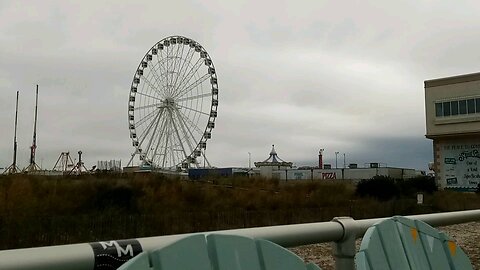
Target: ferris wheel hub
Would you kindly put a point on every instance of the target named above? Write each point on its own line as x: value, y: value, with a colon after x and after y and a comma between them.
x: 169, y: 102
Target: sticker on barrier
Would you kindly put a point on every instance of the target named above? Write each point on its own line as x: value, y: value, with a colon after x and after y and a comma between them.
x: 112, y: 254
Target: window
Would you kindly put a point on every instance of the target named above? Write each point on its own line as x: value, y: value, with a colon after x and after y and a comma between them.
x: 471, y: 105
x: 446, y: 108
x: 457, y: 107
x: 454, y: 105
x: 463, y: 106
x: 438, y: 109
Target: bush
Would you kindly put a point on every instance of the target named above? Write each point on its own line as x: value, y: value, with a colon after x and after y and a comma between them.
x: 410, y: 187
x: 380, y: 187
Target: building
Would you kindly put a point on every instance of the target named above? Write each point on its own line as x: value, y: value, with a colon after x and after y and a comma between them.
x: 355, y: 174
x: 199, y: 173
x: 452, y: 108
x: 272, y: 163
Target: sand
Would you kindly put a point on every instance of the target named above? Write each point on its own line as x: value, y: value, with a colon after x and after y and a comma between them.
x: 466, y: 235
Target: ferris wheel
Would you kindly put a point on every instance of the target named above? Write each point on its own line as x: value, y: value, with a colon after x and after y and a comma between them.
x: 172, y: 105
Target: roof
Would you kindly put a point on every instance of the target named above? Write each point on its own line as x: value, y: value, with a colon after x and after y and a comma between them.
x: 273, y: 160
x: 453, y: 80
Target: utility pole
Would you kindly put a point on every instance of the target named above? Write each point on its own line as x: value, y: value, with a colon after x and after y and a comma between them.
x: 249, y: 160
x: 344, y: 161
x: 336, y: 159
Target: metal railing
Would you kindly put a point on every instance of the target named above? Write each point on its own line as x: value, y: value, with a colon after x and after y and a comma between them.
x: 341, y: 231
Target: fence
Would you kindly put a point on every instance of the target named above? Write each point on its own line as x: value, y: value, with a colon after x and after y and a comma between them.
x: 342, y: 231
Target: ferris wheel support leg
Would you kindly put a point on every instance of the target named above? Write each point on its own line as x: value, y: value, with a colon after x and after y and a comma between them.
x: 131, y: 159
x: 205, y: 158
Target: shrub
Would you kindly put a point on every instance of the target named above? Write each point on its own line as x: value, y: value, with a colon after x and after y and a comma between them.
x: 380, y: 187
x: 423, y: 184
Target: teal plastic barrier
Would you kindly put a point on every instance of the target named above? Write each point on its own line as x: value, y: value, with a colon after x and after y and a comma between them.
x: 401, y: 243
x: 219, y: 252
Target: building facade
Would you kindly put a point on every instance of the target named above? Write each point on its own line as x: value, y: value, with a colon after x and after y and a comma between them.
x: 452, y: 107
x: 343, y: 173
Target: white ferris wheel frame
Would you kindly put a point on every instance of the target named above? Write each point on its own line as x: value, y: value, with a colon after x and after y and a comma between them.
x: 165, y: 107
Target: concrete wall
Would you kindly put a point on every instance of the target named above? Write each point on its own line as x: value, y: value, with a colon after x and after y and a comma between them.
x: 335, y: 174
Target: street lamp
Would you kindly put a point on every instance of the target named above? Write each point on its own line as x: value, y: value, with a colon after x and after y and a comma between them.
x: 336, y: 160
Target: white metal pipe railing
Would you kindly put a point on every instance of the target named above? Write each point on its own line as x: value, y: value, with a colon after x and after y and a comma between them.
x: 341, y: 231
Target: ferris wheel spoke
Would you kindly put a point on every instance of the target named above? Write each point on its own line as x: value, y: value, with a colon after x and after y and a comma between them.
x: 189, y: 75
x: 161, y: 66
x: 194, y: 97
x: 145, y: 118
x: 193, y: 85
x: 160, y: 136
x: 167, y: 136
x: 182, y: 65
x: 181, y: 106
x: 167, y: 62
x: 158, y: 81
x: 171, y: 69
x: 150, y: 84
x: 176, y: 66
x: 192, y: 53
x: 147, y: 130
x: 149, y: 96
x: 184, y: 128
x: 149, y: 145
x: 147, y: 106
x: 178, y: 135
x: 169, y: 145
x: 185, y: 118
x: 189, y: 140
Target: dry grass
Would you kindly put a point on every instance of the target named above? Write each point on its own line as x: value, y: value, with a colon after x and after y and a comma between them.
x: 38, y: 211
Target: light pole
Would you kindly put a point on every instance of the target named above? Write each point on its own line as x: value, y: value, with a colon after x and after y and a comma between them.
x: 344, y: 161
x: 249, y: 160
x: 336, y: 160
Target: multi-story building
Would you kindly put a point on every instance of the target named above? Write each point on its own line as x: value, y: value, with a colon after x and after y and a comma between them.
x: 452, y: 107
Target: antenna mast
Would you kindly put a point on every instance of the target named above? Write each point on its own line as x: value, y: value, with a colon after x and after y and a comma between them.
x: 14, y: 168
x: 33, y: 166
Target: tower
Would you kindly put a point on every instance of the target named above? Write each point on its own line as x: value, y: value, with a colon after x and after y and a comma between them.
x: 14, y: 168
x: 320, y: 158
x: 33, y: 166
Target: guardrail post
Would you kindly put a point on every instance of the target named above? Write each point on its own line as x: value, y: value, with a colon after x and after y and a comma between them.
x: 345, y: 249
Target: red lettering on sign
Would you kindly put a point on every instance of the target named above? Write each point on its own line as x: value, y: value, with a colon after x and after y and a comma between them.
x: 329, y: 175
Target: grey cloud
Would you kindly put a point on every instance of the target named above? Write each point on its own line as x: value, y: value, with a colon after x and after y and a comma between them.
x: 341, y: 75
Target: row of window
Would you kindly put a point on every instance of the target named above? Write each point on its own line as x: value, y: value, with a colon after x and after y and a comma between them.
x: 457, y: 107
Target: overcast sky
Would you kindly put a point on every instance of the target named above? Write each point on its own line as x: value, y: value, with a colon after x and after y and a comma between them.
x: 345, y: 76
